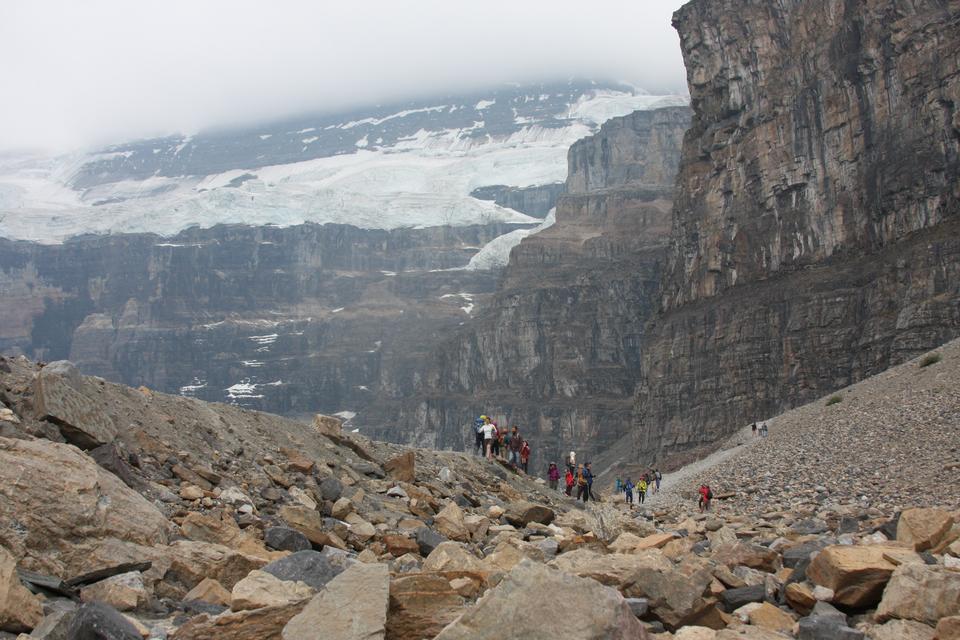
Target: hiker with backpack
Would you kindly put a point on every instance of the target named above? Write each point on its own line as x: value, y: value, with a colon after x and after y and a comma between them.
x: 515, y: 445
x: 478, y: 431
x: 642, y: 490
x: 657, y: 477
x: 553, y: 475
x: 706, y: 495
x: 588, y: 471
x: 628, y: 491
x: 489, y: 437
x: 569, y: 481
x: 583, y: 489
x: 525, y: 456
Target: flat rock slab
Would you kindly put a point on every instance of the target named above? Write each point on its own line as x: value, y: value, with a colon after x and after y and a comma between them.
x: 73, y: 403
x: 353, y: 606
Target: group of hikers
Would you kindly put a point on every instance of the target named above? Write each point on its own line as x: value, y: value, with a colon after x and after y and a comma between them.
x: 759, y: 429
x: 506, y: 444
x: 648, y: 482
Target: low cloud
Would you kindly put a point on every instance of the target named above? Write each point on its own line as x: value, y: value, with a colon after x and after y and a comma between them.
x: 85, y: 73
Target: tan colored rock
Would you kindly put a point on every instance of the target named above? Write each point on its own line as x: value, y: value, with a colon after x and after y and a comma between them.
x: 421, y: 605
x: 306, y: 521
x: 301, y: 497
x: 494, y: 512
x: 466, y: 587
x: 748, y: 555
x: 522, y: 512
x: 327, y: 425
x: 921, y: 592
x: 297, y: 461
x: 450, y: 556
x: 655, y: 541
x: 191, y: 562
x: 478, y: 526
x: 342, y: 508
x: 402, y: 467
x: 57, y: 507
x: 123, y: 592
x: 451, y: 524
x: 353, y: 606
x: 362, y: 531
x: 856, y: 574
x: 261, y: 589
x: 510, y: 553
x: 695, y: 633
x: 225, y: 531
x: 209, y: 590
x: 20, y: 610
x: 191, y: 492
x: 252, y: 624
x: 923, y: 528
x: 613, y: 570
x: 772, y: 618
x: 677, y: 595
x: 746, y: 632
x: 573, y: 608
x: 398, y: 545
x: 948, y: 628
x: 900, y: 630
x: 800, y: 597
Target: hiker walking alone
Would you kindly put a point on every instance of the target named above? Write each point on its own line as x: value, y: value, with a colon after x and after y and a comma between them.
x: 657, y: 477
x: 642, y: 490
x: 706, y: 495
x: 553, y: 475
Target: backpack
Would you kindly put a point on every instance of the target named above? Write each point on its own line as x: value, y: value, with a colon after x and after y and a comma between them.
x: 709, y: 493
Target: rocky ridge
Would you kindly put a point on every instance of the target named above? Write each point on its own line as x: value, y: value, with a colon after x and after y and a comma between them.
x: 172, y: 518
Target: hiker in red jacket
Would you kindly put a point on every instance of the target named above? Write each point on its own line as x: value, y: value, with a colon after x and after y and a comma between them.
x: 525, y: 456
x: 706, y: 495
x: 568, y: 480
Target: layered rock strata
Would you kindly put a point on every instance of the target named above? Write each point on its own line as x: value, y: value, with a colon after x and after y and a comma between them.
x: 815, y: 238
x: 556, y: 350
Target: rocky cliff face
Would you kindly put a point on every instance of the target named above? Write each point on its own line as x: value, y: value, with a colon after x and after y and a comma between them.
x: 815, y: 238
x: 535, y: 201
x: 556, y: 350
x: 291, y: 320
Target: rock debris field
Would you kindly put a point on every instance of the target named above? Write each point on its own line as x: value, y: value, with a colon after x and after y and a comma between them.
x: 127, y: 514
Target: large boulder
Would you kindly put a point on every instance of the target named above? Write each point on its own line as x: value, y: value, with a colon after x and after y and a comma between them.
x: 856, y: 574
x: 310, y: 567
x: 522, y: 513
x: 676, y: 595
x: 353, y: 606
x: 19, y: 609
x: 262, y: 589
x: 901, y: 630
x: 921, y: 592
x: 123, y: 592
x: 421, y: 605
x: 58, y: 508
x: 98, y: 621
x: 74, y: 404
x: 266, y: 623
x: 538, y: 602
x: 191, y: 562
x: 612, y: 570
x: 402, y: 467
x: 451, y: 556
x: 923, y: 528
x: 450, y: 523
x: 196, y: 526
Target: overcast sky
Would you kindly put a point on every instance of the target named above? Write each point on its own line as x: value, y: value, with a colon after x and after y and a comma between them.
x: 84, y: 73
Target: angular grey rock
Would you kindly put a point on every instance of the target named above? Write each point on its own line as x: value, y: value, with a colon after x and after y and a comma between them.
x: 331, y: 489
x: 639, y: 606
x: 428, y: 540
x: 733, y: 599
x: 829, y: 628
x: 311, y: 567
x: 285, y: 539
x: 97, y: 621
x: 64, y: 397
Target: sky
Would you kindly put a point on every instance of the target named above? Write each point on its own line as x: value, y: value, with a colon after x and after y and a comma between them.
x: 80, y: 74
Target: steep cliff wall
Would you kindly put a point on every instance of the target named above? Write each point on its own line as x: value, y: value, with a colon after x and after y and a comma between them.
x: 815, y: 238
x: 291, y: 320
x: 556, y: 350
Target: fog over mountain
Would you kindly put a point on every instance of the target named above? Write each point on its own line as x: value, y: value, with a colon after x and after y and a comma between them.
x: 81, y: 74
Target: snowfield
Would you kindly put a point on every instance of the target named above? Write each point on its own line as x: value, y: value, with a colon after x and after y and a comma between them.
x: 420, y: 180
